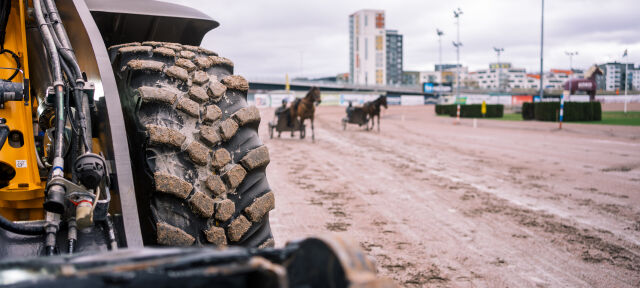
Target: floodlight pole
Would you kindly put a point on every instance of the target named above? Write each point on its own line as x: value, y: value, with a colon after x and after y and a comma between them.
x: 542, y: 53
x: 457, y: 44
x: 440, y: 33
x: 571, y: 54
x: 498, y: 51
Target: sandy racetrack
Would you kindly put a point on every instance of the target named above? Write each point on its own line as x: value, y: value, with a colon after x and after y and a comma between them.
x: 516, y: 204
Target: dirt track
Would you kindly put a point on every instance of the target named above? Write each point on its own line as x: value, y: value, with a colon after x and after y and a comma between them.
x: 516, y: 204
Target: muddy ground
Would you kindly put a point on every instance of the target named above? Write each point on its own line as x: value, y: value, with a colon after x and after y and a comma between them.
x: 517, y: 204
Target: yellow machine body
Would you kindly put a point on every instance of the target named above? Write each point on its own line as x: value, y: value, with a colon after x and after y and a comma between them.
x: 22, y: 199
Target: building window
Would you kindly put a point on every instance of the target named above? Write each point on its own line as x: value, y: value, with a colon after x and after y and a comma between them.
x: 366, y: 20
x: 379, y: 43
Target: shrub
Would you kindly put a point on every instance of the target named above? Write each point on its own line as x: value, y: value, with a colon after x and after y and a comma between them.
x: 527, y: 111
x: 546, y: 111
x: 573, y: 111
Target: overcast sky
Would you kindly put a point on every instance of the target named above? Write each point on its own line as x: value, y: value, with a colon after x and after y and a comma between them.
x: 271, y: 38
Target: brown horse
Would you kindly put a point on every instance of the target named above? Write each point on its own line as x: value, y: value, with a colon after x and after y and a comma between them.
x: 588, y: 84
x: 372, y: 108
x: 302, y: 109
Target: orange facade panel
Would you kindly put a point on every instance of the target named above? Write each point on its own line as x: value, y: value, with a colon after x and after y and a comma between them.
x: 380, y: 20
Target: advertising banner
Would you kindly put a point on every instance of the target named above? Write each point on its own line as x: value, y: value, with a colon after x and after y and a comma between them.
x: 393, y: 100
x: 517, y: 100
x: 261, y: 100
x: 435, y: 88
x: 357, y: 99
x: 461, y: 100
x: 411, y: 100
x: 330, y: 99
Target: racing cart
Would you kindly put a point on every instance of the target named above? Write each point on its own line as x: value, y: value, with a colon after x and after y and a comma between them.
x: 357, y: 116
x: 284, y: 122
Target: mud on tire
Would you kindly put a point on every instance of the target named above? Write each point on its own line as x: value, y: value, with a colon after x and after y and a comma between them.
x: 199, y: 166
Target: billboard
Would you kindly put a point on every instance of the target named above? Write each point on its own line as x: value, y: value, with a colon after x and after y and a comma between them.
x: 271, y: 100
x: 411, y: 100
x: 357, y: 99
x: 436, y: 88
x: 517, y: 100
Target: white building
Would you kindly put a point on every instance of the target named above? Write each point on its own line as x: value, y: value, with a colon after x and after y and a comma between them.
x: 507, y: 77
x: 635, y: 79
x: 430, y: 77
x: 501, y: 76
x: 367, y: 51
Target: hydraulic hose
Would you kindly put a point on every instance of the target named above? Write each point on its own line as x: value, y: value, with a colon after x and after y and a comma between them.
x: 21, y: 229
x: 49, y: 44
x: 61, y: 39
x: 57, y: 23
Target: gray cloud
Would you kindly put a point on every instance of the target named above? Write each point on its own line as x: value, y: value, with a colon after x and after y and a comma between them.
x: 271, y: 38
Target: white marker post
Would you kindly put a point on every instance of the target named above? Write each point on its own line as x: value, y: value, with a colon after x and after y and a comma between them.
x: 562, y: 107
x: 458, y: 115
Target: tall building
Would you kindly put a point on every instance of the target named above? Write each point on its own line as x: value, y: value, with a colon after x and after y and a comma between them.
x: 394, y: 57
x: 367, y: 47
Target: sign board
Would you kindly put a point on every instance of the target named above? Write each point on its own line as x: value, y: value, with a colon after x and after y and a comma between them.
x: 275, y: 100
x: 357, y: 99
x: 261, y: 100
x: 411, y: 100
x: 393, y: 100
x: 517, y: 100
x: 330, y: 99
x: 461, y: 100
x: 435, y: 88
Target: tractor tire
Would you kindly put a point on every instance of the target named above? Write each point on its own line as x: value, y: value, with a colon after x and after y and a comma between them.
x: 198, y: 163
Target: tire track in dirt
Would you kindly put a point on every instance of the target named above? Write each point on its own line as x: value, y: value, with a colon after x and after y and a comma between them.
x: 591, y: 248
x: 427, y: 226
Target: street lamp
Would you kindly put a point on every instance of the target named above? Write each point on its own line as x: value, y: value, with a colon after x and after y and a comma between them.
x: 457, y: 44
x: 440, y: 33
x: 498, y: 51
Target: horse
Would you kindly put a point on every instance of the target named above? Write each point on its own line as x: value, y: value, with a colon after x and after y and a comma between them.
x: 588, y: 84
x: 372, y: 108
x: 302, y: 109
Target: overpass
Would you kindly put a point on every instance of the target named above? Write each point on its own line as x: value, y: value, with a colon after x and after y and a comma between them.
x: 303, y: 85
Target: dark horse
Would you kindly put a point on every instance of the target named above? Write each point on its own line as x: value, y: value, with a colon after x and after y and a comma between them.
x: 588, y: 84
x: 372, y: 108
x: 304, y: 108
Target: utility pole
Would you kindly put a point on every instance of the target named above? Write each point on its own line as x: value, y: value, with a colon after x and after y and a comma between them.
x: 440, y: 33
x: 542, y: 52
x: 457, y: 44
x: 498, y: 51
